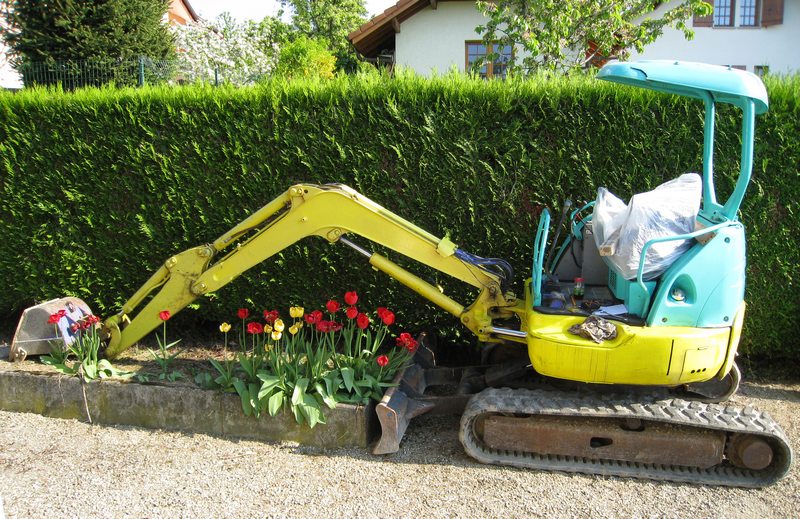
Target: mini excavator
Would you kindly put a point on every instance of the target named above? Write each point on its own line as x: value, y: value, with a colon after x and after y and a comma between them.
x: 645, y: 402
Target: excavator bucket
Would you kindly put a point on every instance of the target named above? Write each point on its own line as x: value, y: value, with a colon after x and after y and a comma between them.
x: 38, y: 332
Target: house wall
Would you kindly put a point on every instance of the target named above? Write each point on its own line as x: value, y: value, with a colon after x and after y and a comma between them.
x: 773, y: 46
x: 432, y: 41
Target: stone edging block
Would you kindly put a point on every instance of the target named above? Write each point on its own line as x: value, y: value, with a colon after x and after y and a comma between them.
x: 178, y: 408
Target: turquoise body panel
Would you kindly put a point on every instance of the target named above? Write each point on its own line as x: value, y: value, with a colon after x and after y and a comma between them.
x: 539, y: 248
x: 727, y: 84
x: 709, y: 280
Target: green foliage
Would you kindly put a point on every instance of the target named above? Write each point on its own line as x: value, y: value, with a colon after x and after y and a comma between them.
x: 164, y: 358
x: 305, y: 58
x: 329, y: 21
x: 100, y: 187
x: 564, y: 35
x: 307, y: 368
x: 103, y: 30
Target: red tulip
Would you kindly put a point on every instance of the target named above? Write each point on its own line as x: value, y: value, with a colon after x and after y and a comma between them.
x: 382, y: 361
x: 314, y: 317
x: 408, y: 342
x: 351, y: 298
x: 352, y: 312
x: 387, y: 318
x: 54, y: 318
x: 243, y: 313
x: 335, y: 327
x: 323, y: 326
x: 164, y: 315
x: 362, y: 321
x: 255, y: 328
x: 74, y: 327
x: 332, y: 306
x: 271, y: 316
x: 62, y: 313
x: 381, y: 310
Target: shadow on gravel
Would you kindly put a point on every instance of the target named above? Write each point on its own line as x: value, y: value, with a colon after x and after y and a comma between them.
x: 769, y: 393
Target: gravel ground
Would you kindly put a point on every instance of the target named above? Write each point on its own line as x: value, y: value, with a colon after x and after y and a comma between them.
x: 65, y: 468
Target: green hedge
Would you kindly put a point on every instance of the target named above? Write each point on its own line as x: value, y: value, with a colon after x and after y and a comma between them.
x: 100, y: 186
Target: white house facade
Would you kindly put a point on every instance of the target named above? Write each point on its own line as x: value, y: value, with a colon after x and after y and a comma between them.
x: 737, y: 34
x: 436, y: 40
x: 435, y: 36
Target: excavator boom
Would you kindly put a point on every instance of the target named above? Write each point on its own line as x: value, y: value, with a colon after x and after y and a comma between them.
x: 330, y: 212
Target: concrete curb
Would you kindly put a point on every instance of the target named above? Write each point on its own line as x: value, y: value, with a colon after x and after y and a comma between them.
x: 178, y: 408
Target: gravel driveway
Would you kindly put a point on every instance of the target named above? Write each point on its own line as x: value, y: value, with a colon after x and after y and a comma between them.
x: 63, y: 468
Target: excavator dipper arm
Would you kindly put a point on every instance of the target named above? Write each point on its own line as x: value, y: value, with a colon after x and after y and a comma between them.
x: 330, y: 212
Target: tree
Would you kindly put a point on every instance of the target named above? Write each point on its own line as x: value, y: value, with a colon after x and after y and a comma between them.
x: 329, y: 21
x: 88, y: 29
x: 239, y: 52
x: 306, y: 58
x: 565, y: 35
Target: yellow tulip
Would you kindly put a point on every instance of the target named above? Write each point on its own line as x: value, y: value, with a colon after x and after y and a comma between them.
x: 279, y: 326
x: 267, y: 328
x: 296, y: 312
x: 224, y: 327
x: 276, y: 336
x: 294, y: 329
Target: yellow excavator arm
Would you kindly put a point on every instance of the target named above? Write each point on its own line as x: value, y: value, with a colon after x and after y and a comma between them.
x: 331, y: 212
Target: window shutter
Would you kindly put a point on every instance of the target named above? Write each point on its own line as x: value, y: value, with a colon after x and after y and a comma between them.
x: 704, y: 21
x: 772, y: 13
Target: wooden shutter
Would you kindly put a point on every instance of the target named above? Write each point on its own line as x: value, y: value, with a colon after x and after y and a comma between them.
x: 772, y: 12
x: 704, y: 21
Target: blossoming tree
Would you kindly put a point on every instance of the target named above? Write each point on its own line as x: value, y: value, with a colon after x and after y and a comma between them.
x: 238, y: 53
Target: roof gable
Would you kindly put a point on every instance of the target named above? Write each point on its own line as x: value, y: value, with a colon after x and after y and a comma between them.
x: 378, y: 33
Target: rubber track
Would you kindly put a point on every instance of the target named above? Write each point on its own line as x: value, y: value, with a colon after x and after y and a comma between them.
x: 672, y: 411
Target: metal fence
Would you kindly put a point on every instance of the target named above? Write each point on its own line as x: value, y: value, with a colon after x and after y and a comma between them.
x: 95, y: 72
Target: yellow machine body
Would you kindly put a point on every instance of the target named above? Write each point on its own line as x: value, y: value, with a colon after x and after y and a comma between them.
x: 639, y: 355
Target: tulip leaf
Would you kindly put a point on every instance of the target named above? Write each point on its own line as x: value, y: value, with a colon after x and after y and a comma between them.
x: 275, y: 403
x: 244, y: 394
x: 348, y: 375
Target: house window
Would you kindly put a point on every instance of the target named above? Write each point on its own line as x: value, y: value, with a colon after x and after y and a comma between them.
x: 748, y: 10
x: 723, y: 13
x: 476, y: 50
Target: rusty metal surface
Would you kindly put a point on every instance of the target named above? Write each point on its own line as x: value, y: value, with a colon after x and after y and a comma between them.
x: 750, y: 452
x: 395, y: 411
x: 605, y: 439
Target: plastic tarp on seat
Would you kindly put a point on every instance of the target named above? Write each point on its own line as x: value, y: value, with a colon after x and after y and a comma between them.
x: 621, y: 230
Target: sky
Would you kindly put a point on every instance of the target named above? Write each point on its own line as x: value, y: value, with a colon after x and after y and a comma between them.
x: 258, y: 9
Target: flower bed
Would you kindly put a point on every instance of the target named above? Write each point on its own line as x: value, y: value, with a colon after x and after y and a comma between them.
x: 306, y: 369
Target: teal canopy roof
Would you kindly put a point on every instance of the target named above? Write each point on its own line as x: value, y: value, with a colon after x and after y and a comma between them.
x: 725, y: 84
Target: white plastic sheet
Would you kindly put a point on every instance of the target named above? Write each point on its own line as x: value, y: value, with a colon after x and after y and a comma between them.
x: 621, y: 231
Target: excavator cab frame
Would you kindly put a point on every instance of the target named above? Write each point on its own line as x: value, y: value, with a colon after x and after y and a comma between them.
x: 684, y: 326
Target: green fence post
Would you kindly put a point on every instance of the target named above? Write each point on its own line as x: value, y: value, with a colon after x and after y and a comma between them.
x: 141, y: 71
